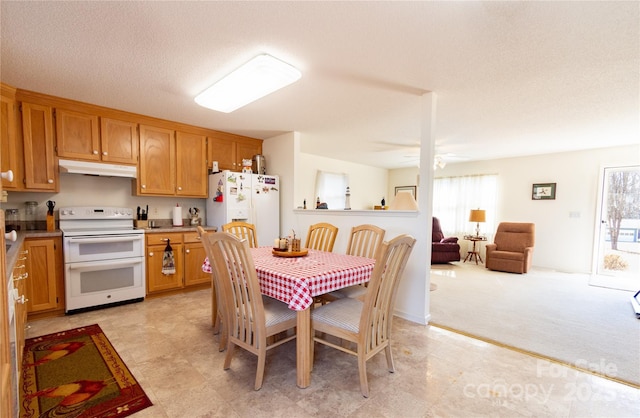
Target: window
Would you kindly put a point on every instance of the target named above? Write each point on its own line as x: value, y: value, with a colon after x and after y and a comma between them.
x: 454, y: 197
x: 331, y: 188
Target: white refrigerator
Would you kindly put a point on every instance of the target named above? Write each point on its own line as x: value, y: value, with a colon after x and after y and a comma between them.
x: 252, y: 198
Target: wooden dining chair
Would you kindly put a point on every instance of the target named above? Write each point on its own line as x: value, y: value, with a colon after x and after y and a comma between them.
x: 368, y: 323
x: 216, y: 303
x: 321, y: 236
x: 242, y: 230
x: 364, y: 241
x: 249, y: 322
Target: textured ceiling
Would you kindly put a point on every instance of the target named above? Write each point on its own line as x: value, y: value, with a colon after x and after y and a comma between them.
x: 511, y: 78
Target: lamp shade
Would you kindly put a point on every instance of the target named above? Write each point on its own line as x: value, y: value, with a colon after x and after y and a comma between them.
x: 404, y: 201
x: 477, y: 215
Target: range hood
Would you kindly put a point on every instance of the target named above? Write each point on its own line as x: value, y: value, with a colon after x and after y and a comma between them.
x: 97, y: 169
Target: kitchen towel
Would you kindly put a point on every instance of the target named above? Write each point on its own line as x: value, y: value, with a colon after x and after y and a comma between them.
x: 168, y: 261
x: 177, y: 216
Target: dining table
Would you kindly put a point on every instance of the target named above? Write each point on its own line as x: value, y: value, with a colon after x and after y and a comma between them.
x: 296, y: 280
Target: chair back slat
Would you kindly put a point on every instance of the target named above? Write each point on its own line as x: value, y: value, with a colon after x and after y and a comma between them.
x: 321, y: 236
x: 242, y: 230
x: 365, y: 240
x: 383, y: 285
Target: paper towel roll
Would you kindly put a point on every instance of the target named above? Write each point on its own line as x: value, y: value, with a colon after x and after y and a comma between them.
x: 177, y: 216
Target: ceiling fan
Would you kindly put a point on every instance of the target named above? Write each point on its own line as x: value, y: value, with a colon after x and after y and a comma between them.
x: 440, y: 160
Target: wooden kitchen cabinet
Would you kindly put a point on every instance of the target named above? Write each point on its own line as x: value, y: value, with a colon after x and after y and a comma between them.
x: 156, y: 244
x: 9, y: 141
x: 119, y: 141
x: 229, y: 150
x: 172, y: 163
x: 84, y: 136
x: 157, y: 174
x: 194, y: 255
x: 40, y: 168
x: 191, y: 165
x: 45, y: 281
x: 20, y: 277
x: 6, y: 401
x: 77, y: 135
x: 189, y: 254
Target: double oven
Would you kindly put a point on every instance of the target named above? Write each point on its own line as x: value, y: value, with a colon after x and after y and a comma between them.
x: 103, y: 257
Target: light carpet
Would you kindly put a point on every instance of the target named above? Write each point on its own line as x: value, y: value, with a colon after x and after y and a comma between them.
x: 555, y: 315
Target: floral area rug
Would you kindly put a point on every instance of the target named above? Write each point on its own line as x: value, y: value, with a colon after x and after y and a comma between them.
x: 77, y: 373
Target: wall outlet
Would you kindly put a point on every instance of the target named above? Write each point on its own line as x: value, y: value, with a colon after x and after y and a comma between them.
x: 155, y: 211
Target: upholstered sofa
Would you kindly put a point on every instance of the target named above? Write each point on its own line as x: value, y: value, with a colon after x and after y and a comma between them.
x: 512, y: 248
x: 443, y: 250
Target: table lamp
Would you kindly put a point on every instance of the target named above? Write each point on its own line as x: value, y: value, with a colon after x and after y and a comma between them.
x: 477, y: 216
x: 404, y: 201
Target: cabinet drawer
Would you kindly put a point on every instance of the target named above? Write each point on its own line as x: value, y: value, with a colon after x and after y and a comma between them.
x: 161, y: 238
x: 192, y: 237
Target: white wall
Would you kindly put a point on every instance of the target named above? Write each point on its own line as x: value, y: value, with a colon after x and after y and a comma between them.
x: 402, y: 177
x: 563, y: 242
x: 368, y: 185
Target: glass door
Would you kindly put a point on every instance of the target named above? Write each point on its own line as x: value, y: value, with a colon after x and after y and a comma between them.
x: 617, y: 255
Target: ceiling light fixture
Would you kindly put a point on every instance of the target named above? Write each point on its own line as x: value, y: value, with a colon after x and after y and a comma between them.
x: 438, y: 162
x: 262, y: 75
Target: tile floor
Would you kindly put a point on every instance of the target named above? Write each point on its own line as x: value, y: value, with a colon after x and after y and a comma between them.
x: 169, y: 346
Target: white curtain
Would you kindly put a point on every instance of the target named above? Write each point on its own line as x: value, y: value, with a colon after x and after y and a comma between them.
x: 331, y: 188
x: 454, y: 197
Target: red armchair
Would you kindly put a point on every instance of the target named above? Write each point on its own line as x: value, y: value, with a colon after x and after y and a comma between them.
x: 443, y: 250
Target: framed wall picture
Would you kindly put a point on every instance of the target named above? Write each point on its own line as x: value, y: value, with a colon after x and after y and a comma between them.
x: 543, y: 191
x: 410, y: 189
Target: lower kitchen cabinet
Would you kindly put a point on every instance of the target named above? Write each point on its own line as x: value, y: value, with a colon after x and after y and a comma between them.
x: 44, y: 285
x: 157, y: 281
x: 19, y: 276
x: 194, y: 255
x: 188, y: 254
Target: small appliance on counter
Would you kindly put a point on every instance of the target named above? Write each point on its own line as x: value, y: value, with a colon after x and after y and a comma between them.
x: 258, y: 165
x: 12, y: 220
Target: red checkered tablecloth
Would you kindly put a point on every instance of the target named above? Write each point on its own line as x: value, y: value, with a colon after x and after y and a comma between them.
x: 296, y: 280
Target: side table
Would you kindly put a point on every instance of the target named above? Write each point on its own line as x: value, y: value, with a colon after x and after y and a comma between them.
x: 473, y: 254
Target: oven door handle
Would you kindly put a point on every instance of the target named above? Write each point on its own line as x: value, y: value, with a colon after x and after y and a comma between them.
x: 105, y: 263
x: 92, y: 240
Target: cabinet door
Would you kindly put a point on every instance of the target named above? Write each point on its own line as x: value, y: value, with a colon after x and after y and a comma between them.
x: 42, y: 281
x: 247, y: 149
x: 156, y: 280
x: 157, y: 161
x: 119, y: 140
x: 194, y: 255
x: 223, y: 150
x: 40, y: 171
x: 77, y: 135
x: 6, y: 402
x: 10, y: 156
x: 191, y: 165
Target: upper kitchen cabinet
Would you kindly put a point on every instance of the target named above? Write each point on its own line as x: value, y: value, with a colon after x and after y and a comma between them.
x: 229, y: 150
x: 157, y: 174
x: 40, y: 171
x: 78, y: 135
x: 119, y: 140
x: 84, y: 136
x: 9, y: 140
x: 171, y: 163
x: 191, y: 165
